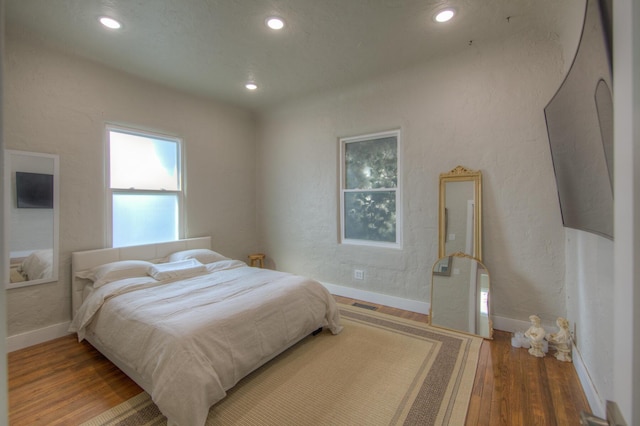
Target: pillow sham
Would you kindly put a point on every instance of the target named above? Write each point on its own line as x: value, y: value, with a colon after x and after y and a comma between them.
x: 179, y: 269
x: 201, y: 255
x: 37, y: 265
x: 109, y: 272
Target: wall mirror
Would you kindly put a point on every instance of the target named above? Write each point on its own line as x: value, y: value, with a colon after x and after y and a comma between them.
x: 460, y: 220
x: 460, y: 298
x: 31, y: 218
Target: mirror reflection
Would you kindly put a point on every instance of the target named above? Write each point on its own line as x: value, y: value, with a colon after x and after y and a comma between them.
x: 604, y: 106
x: 460, y: 212
x: 31, y: 209
x: 460, y: 296
x: 443, y: 266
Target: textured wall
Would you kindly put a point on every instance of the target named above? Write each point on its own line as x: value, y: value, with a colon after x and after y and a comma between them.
x: 482, y: 109
x: 58, y: 103
x: 626, y: 317
x: 589, y: 280
x: 4, y: 417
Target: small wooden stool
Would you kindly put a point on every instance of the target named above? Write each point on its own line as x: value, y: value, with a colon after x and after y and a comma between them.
x: 256, y: 257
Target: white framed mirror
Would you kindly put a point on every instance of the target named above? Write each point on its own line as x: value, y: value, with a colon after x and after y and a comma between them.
x: 460, y: 212
x: 460, y: 295
x: 31, y: 218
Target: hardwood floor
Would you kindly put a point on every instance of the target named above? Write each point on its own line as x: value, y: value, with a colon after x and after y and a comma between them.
x: 63, y: 382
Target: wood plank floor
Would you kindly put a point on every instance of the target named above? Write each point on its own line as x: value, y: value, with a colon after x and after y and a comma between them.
x: 63, y: 382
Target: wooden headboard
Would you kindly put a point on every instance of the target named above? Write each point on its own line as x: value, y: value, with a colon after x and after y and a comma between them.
x: 83, y: 260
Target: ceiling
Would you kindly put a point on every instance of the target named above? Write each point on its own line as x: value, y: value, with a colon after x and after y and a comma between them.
x: 213, y: 47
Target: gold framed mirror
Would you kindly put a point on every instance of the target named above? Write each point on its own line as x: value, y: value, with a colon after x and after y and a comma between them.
x: 460, y: 299
x: 460, y: 213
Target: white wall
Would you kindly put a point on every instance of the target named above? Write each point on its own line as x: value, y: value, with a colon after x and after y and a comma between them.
x: 590, y: 301
x: 482, y: 109
x: 4, y: 413
x: 626, y: 290
x: 59, y: 104
x: 601, y: 274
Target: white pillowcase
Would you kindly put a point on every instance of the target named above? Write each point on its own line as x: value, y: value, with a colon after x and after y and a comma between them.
x: 37, y: 265
x: 201, y: 255
x: 180, y: 269
x: 109, y: 272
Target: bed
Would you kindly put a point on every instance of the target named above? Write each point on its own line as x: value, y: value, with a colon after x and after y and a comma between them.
x: 187, y: 323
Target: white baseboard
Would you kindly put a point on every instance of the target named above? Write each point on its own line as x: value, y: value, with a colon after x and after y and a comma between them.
x: 30, y: 338
x: 596, y: 403
x: 378, y: 298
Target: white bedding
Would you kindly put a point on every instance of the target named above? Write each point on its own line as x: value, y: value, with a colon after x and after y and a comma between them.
x: 193, y: 339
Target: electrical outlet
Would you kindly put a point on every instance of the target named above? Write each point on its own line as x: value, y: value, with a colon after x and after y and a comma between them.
x: 358, y: 274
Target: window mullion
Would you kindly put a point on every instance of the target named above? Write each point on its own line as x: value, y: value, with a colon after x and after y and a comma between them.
x: 370, y: 190
x: 143, y: 191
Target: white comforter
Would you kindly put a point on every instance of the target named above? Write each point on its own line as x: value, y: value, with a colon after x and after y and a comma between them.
x: 196, y: 338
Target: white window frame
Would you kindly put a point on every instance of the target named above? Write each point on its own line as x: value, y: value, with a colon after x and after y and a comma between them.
x: 107, y: 176
x: 398, y: 189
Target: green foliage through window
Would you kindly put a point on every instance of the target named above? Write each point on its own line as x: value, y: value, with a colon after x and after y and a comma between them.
x: 372, y: 164
x: 370, y: 184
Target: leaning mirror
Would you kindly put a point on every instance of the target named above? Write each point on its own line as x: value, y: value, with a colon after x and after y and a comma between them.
x: 460, y: 295
x: 31, y: 218
x: 460, y: 221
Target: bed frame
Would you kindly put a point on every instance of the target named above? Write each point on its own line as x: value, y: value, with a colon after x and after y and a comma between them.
x: 82, y: 260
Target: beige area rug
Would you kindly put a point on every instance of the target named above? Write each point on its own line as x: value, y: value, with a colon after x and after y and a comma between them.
x: 381, y: 370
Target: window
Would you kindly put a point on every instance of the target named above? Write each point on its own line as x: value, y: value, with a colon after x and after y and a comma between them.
x: 144, y: 187
x: 370, y: 190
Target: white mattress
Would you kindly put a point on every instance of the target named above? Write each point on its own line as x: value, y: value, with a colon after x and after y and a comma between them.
x: 187, y: 342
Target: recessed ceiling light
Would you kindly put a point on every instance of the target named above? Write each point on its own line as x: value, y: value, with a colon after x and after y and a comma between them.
x: 275, y: 23
x: 110, y: 23
x: 251, y: 86
x: 444, y: 15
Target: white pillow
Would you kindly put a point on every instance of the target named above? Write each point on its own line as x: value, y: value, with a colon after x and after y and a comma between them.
x: 201, y: 255
x: 109, y: 272
x: 37, y: 265
x: 180, y: 269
